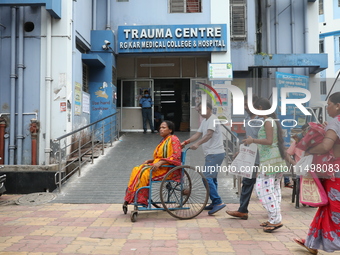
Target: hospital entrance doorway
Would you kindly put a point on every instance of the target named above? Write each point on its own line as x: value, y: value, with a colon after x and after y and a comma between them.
x: 172, y: 100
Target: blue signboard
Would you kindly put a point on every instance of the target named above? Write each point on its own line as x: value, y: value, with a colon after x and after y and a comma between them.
x: 102, y: 104
x: 286, y: 80
x: 172, y: 38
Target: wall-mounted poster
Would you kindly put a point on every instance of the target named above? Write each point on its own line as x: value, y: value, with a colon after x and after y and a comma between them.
x: 86, y: 102
x: 63, y: 106
x: 77, y: 98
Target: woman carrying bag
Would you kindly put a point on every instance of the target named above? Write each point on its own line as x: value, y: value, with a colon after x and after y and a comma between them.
x: 324, y: 231
x: 272, y: 159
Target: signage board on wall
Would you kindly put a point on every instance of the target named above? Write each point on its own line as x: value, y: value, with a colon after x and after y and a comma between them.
x: 287, y: 80
x: 77, y: 98
x: 86, y: 103
x: 63, y: 106
x: 172, y: 38
x: 220, y: 71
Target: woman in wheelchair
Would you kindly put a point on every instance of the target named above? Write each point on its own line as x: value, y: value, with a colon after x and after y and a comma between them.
x: 167, y: 152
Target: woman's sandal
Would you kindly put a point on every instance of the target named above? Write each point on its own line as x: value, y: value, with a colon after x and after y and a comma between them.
x: 301, y: 242
x: 264, y: 224
x: 271, y: 227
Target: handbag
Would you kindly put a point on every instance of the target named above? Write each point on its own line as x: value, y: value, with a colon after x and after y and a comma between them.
x: 243, y: 164
x: 311, y: 191
x: 302, y: 167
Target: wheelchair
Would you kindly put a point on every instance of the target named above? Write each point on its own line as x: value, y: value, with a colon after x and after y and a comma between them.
x: 183, y: 198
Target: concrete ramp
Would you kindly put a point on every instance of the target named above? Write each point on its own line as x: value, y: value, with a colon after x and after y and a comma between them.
x: 105, y: 181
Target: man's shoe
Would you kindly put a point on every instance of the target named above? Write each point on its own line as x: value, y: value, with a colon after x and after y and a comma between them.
x: 209, y: 207
x: 144, y: 132
x: 243, y: 216
x: 216, y: 208
x: 153, y: 131
x: 289, y: 185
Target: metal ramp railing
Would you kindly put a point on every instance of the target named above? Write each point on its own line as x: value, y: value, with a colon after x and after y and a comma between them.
x: 231, y: 146
x: 82, y: 145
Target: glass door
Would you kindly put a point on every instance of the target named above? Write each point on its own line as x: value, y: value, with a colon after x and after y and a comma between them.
x: 130, y: 112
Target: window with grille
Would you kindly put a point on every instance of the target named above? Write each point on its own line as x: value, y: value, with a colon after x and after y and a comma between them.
x: 320, y: 7
x: 323, y: 88
x: 85, y: 78
x: 238, y: 20
x: 321, y: 46
x: 185, y: 6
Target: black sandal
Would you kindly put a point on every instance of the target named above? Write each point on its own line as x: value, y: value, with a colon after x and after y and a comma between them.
x: 264, y: 224
x: 271, y: 227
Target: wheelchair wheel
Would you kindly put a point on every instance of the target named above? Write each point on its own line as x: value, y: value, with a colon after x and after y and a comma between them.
x: 133, y: 216
x: 125, y: 208
x: 187, y: 197
x: 155, y: 197
x: 155, y: 194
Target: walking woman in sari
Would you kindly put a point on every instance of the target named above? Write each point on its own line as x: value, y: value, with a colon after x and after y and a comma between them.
x: 168, y: 152
x: 324, y: 231
x: 272, y: 153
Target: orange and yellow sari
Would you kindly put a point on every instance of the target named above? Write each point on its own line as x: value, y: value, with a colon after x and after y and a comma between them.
x: 169, y: 149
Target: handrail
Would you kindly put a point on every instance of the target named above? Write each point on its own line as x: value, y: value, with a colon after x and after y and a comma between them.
x: 84, y: 127
x: 231, y: 147
x: 78, y: 147
x: 310, y: 110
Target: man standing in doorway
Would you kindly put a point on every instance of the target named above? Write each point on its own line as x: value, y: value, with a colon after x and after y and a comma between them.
x: 213, y: 149
x: 146, y: 103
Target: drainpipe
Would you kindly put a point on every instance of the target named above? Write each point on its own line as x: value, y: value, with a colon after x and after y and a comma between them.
x: 259, y: 27
x: 34, y: 129
x: 20, y: 135
x: 306, y: 26
x: 94, y: 14
x: 276, y: 27
x: 13, y: 77
x: 2, y: 140
x: 268, y: 26
x: 292, y: 21
x: 269, y: 51
x: 108, y: 13
x: 48, y: 82
x: 305, y: 6
x: 6, y: 148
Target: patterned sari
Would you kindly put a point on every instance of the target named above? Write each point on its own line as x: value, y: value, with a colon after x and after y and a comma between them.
x: 169, y: 149
x: 324, y: 231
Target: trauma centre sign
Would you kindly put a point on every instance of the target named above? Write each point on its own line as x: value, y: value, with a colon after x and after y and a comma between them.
x: 172, y: 38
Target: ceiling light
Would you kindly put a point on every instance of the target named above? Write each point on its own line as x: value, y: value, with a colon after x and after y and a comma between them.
x: 157, y: 65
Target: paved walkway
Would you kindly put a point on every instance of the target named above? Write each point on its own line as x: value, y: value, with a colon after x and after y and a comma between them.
x: 55, y: 228
x: 70, y: 225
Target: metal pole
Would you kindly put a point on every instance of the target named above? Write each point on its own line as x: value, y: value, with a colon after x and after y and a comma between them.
x: 92, y: 145
x: 20, y: 88
x: 2, y: 140
x: 103, y: 139
x: 59, y: 167
x: 111, y: 131
x: 79, y: 155
x: 13, y: 88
